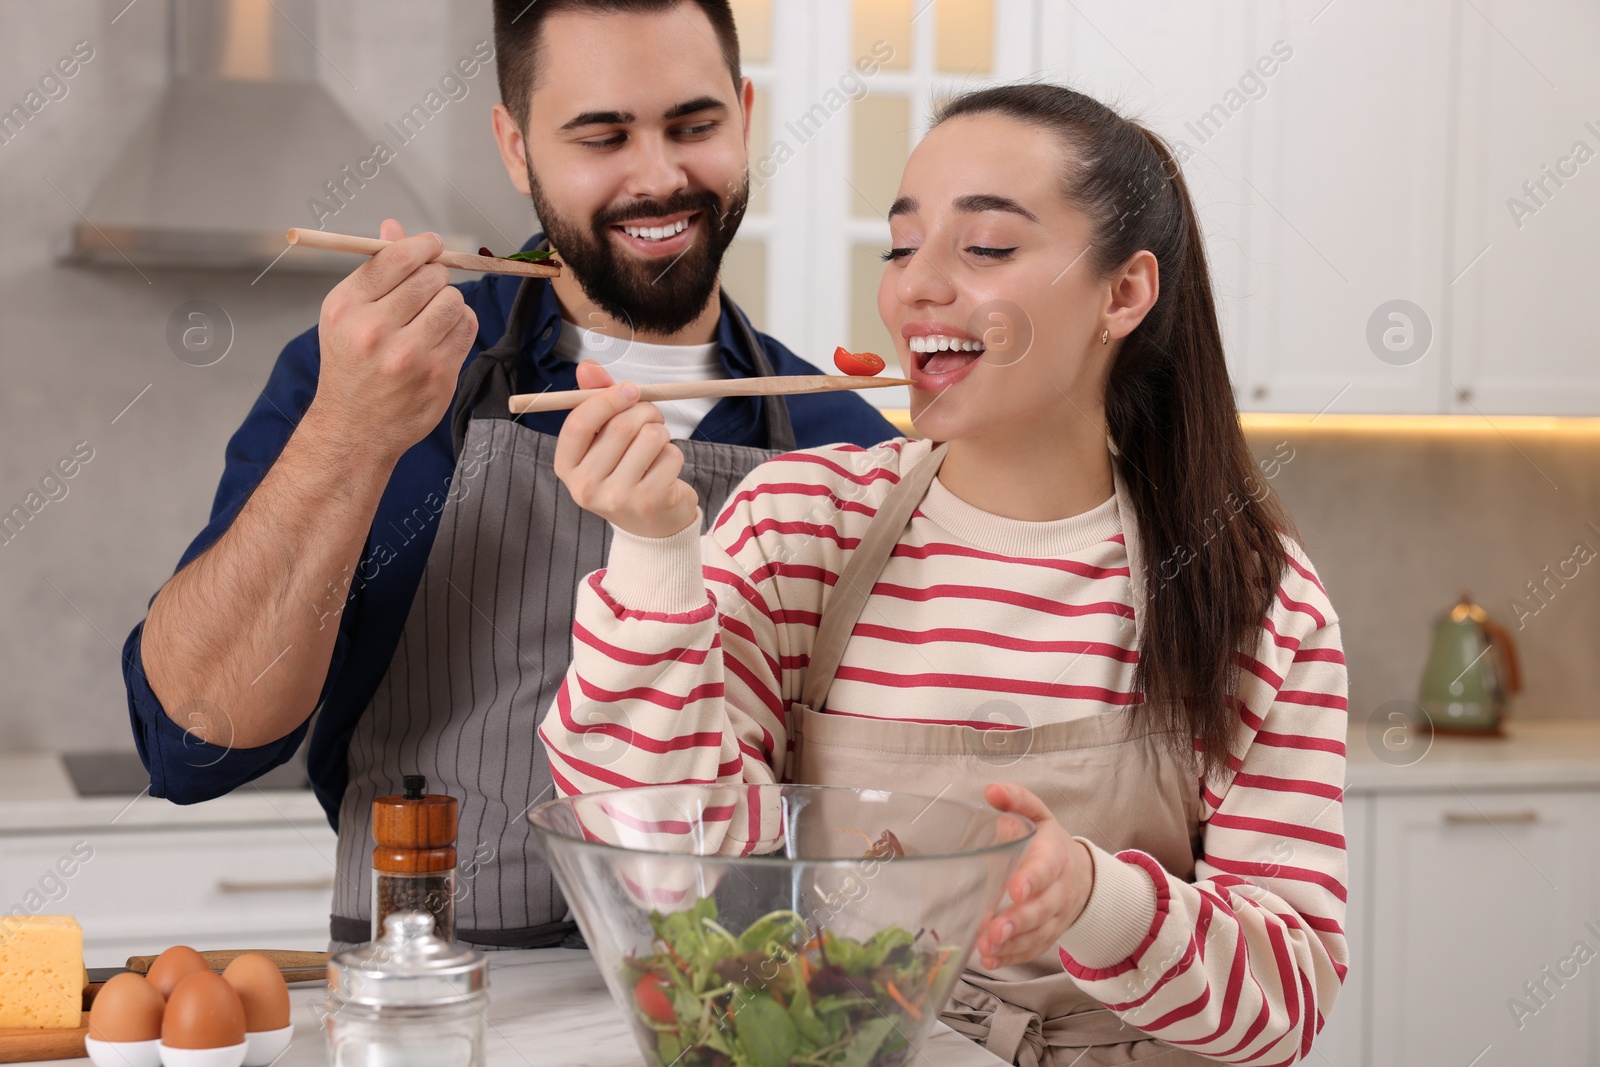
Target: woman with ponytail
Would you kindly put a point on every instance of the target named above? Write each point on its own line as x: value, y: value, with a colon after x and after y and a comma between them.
x: 1071, y: 596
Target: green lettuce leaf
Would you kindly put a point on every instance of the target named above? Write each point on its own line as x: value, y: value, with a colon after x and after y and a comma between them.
x: 869, y: 1037
x: 766, y: 1032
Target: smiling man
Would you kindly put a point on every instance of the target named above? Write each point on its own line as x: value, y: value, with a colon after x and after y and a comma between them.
x: 390, y: 548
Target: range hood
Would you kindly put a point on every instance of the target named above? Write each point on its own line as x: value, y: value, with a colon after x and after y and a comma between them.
x: 242, y: 141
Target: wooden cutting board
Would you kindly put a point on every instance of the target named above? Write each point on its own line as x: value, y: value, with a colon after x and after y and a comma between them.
x: 21, y: 1046
x: 296, y: 966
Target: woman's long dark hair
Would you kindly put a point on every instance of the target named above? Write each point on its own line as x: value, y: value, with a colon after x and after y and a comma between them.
x: 1210, y: 531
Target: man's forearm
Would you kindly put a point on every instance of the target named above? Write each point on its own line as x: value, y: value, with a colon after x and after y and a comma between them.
x: 237, y: 644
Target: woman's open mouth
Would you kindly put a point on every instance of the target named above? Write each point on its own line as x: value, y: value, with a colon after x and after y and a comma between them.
x: 660, y: 237
x: 939, y: 361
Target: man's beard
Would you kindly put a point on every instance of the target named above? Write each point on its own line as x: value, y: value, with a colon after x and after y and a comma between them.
x: 650, y: 296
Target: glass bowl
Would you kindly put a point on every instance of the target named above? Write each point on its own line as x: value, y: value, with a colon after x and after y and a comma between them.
x: 764, y: 925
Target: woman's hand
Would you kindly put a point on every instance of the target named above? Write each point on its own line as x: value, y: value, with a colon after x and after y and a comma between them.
x: 1048, y: 889
x: 618, y: 460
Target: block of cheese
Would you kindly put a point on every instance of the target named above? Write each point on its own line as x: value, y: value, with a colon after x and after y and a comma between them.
x: 41, y: 971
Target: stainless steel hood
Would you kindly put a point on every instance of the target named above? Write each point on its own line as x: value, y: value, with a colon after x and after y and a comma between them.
x: 241, y: 143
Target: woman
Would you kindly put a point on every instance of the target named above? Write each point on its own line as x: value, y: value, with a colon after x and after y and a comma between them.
x: 1093, y: 615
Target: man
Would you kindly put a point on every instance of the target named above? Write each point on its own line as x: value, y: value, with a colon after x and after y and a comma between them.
x: 390, y: 547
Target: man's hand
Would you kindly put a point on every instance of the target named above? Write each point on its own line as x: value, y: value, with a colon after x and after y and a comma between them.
x: 617, y: 459
x: 393, y: 336
x: 1048, y: 889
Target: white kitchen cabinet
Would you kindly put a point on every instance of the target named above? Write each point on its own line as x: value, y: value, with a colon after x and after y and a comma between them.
x: 139, y: 891
x: 1473, y: 895
x: 1400, y: 184
x: 1527, y: 211
x: 1343, y: 194
x: 1342, y: 1041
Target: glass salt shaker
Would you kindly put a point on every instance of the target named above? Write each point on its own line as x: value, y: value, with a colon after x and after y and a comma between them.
x: 414, y: 858
x: 408, y: 999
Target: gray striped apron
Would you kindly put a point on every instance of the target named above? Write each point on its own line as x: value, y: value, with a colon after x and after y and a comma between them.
x: 1106, y: 777
x: 485, y: 647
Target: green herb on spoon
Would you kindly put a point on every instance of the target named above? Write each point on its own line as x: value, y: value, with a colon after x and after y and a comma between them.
x: 536, y: 255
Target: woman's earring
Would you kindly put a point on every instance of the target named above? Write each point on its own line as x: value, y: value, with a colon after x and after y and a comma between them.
x: 1105, y: 337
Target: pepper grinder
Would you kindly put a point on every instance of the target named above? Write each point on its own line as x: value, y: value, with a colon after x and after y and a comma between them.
x: 414, y: 861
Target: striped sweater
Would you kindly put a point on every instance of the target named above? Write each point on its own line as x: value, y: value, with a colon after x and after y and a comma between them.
x: 699, y: 644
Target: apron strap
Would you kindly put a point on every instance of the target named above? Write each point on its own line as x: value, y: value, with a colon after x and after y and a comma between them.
x: 843, y: 609
x: 488, y: 384
x: 780, y: 428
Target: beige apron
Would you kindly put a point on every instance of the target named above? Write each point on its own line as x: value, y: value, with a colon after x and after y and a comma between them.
x: 1107, y: 778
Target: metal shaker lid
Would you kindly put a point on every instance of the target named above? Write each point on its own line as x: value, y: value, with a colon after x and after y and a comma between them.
x: 407, y: 966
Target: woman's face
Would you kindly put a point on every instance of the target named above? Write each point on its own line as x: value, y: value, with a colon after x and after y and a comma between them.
x: 995, y: 312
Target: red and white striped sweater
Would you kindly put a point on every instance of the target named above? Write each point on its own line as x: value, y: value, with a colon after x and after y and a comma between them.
x: 699, y: 644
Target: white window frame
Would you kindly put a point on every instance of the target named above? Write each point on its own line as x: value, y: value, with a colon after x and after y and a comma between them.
x: 808, y: 228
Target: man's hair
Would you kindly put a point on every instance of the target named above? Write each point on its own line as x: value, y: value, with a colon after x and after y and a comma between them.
x: 518, y: 38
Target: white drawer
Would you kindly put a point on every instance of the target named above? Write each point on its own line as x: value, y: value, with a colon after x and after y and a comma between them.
x: 139, y: 891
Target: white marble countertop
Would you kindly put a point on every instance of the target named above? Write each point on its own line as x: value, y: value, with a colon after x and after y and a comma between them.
x: 550, y: 1006
x: 36, y: 795
x: 1533, y: 754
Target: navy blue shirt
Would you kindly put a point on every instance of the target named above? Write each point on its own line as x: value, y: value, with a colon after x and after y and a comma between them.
x: 186, y: 770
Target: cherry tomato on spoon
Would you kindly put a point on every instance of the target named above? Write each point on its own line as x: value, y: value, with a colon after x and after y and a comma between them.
x: 857, y: 363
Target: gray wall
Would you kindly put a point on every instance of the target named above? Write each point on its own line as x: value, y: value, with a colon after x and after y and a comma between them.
x: 1397, y: 523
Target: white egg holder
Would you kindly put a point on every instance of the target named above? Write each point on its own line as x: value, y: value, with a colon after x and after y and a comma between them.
x: 124, y: 1053
x: 225, y: 1056
x: 258, y: 1049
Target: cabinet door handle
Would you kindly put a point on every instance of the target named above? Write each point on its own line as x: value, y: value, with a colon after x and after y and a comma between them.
x: 304, y: 885
x: 1478, y: 818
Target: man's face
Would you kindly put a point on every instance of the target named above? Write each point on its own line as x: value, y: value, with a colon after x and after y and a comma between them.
x: 638, y: 160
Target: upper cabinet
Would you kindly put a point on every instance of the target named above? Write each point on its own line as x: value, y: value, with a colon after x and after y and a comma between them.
x: 1397, y: 198
x: 1344, y: 208
x: 1527, y: 209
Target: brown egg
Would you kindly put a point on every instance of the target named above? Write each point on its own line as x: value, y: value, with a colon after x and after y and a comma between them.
x: 261, y: 987
x: 203, y: 1012
x: 127, y: 1008
x: 173, y: 966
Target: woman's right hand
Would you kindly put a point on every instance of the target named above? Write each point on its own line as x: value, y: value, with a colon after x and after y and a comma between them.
x: 617, y: 459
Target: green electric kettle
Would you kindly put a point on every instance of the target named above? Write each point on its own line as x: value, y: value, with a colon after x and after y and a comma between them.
x: 1471, y: 672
